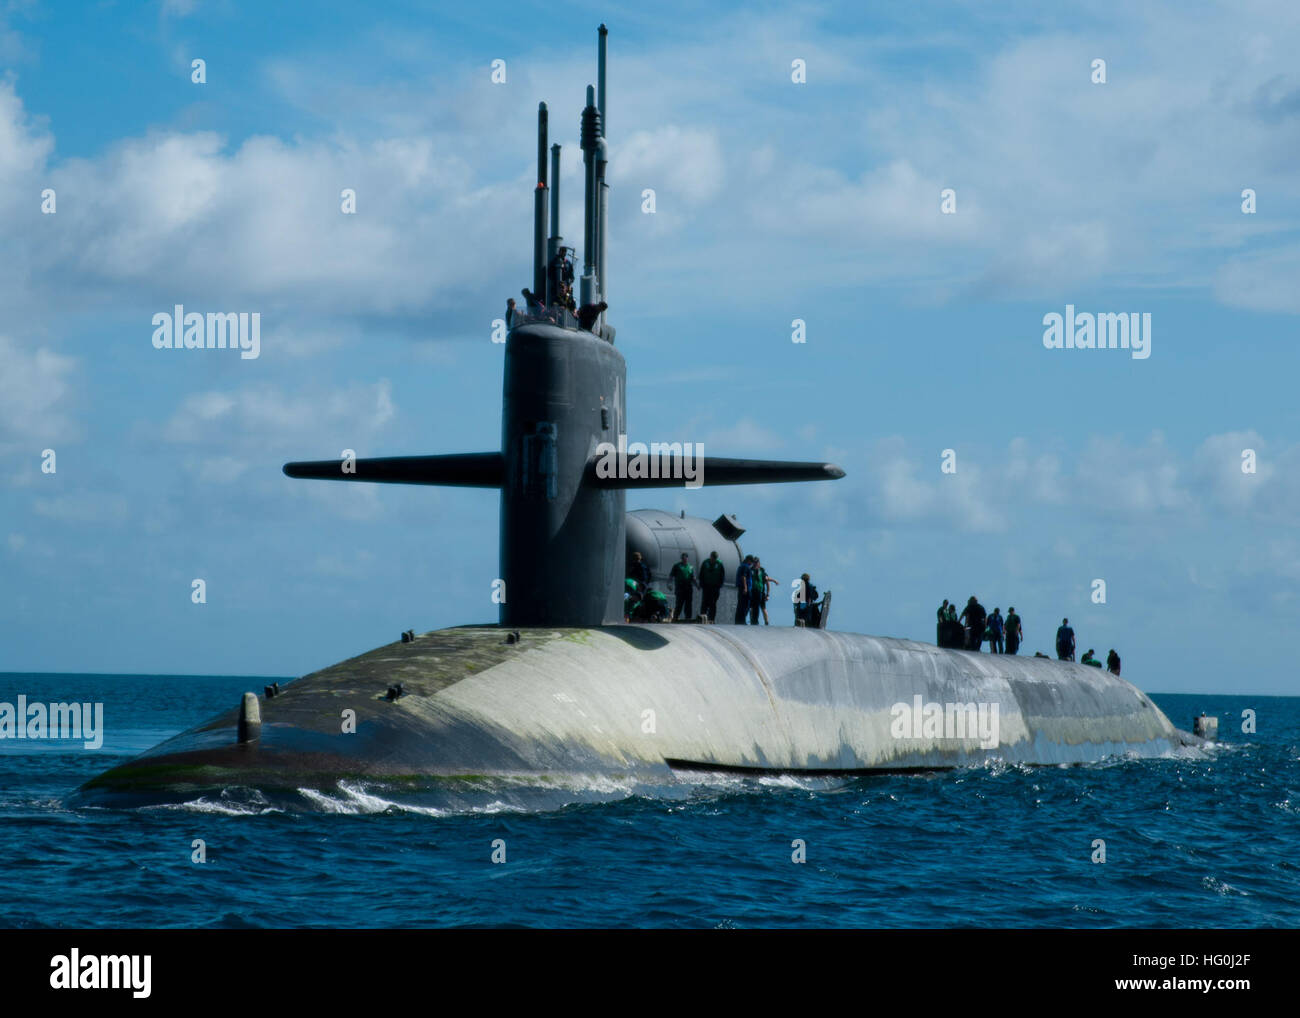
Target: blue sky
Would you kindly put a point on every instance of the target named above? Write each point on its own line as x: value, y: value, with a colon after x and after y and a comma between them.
x: 774, y: 201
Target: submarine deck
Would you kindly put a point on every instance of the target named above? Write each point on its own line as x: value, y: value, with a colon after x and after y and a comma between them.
x: 648, y: 699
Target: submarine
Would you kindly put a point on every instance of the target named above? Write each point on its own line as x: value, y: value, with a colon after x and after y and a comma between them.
x: 562, y: 688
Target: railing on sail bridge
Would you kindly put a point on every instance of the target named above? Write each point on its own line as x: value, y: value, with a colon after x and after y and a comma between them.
x: 535, y: 314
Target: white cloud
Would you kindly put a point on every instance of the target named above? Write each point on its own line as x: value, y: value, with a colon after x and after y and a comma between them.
x: 35, y: 387
x: 1110, y: 480
x: 1218, y: 465
x: 235, y: 433
x: 891, y: 203
x: 25, y: 144
x: 1059, y: 181
x: 263, y: 417
x: 1261, y: 281
x: 675, y: 161
x: 1131, y: 479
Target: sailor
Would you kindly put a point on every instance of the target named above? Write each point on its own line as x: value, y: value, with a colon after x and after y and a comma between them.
x: 1065, y: 641
x: 652, y: 608
x: 995, y: 631
x: 510, y: 311
x: 1088, y: 659
x: 631, y: 598
x: 742, y: 590
x: 757, y: 590
x: 638, y: 570
x: 684, y: 577
x: 974, y: 616
x: 1112, y: 662
x: 942, y: 616
x: 807, y: 610
x: 588, y: 313
x: 555, y: 271
x: 534, y: 301
x: 768, y: 583
x: 1014, y: 631
x: 954, y: 637
x: 712, y: 576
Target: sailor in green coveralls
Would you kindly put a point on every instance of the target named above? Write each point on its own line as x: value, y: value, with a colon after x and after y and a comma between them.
x: 712, y: 575
x: 684, y: 578
x: 757, y: 590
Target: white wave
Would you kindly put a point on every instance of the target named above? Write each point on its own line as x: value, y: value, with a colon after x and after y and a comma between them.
x: 1222, y: 888
x: 783, y: 781
x: 602, y: 784
x: 355, y: 800
x: 204, y: 805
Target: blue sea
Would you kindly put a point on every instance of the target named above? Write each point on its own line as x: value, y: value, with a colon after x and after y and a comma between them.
x: 1206, y: 842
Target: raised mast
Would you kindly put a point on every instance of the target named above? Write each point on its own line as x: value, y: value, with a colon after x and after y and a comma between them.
x: 539, y: 211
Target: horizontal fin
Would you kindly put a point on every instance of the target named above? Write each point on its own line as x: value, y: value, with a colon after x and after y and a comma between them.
x: 468, y: 470
x: 713, y: 470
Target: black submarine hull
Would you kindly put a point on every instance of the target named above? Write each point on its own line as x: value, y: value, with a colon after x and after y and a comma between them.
x: 654, y: 703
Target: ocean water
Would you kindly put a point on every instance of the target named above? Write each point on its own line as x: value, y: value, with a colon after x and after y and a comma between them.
x: 1212, y: 841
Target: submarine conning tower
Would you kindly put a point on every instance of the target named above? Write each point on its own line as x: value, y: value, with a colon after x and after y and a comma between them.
x: 563, y: 413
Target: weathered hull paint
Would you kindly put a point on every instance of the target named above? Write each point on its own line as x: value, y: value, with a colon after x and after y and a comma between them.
x: 626, y: 700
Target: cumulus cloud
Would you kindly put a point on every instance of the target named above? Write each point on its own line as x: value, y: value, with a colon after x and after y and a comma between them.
x: 265, y: 418
x: 684, y: 162
x: 1218, y: 466
x: 35, y: 388
x: 1126, y: 478
x: 184, y: 216
x: 1261, y: 281
x: 25, y: 143
x: 1058, y: 181
x: 892, y: 203
x: 243, y: 435
x: 1111, y: 480
x: 238, y: 439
